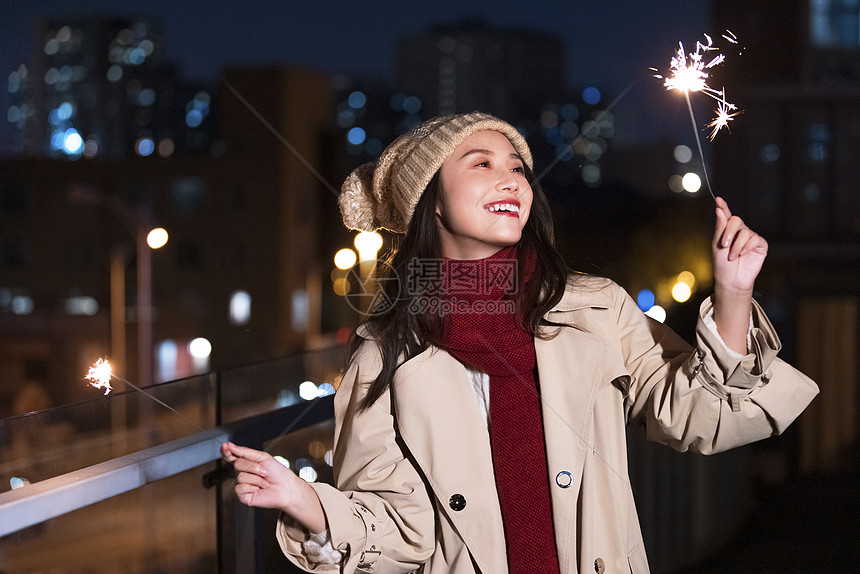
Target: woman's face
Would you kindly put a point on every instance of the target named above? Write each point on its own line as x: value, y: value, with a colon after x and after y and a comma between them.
x: 484, y: 200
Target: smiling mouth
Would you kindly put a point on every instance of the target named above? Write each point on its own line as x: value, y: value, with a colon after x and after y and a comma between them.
x: 504, y: 208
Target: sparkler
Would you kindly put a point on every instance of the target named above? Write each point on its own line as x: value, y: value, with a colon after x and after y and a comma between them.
x: 101, y: 373
x: 689, y: 73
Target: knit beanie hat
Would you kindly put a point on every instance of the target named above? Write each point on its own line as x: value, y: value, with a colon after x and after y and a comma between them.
x: 383, y: 194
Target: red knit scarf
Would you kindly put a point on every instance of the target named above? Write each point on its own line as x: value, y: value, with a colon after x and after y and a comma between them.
x: 481, y: 331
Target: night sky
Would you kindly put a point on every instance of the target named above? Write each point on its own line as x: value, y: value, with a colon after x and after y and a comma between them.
x: 610, y: 43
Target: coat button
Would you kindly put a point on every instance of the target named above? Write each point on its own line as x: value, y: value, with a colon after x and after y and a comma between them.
x: 599, y: 566
x: 564, y: 479
x: 457, y: 502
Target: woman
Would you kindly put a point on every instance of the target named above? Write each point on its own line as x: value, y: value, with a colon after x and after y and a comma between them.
x: 480, y: 426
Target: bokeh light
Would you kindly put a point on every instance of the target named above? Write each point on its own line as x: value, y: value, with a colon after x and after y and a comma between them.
x: 591, y: 95
x: 308, y: 391
x: 341, y: 286
x: 683, y: 153
x: 356, y: 136
x: 157, y: 238
x: 645, y: 299
x: 681, y: 292
x: 657, y: 313
x: 144, y: 147
x: 368, y: 244
x: 688, y: 278
x: 692, y: 182
x: 345, y: 258
x: 200, y: 348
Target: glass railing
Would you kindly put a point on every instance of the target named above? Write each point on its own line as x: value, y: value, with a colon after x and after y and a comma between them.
x: 130, y: 482
x: 123, y: 484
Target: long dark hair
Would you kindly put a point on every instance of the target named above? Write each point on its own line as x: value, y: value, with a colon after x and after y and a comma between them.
x: 400, y: 332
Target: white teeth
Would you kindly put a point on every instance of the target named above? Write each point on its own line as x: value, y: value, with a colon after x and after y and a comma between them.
x: 509, y: 207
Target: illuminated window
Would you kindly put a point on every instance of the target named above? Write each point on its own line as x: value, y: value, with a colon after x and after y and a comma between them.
x: 300, y: 309
x: 22, y: 305
x: 835, y: 23
x: 240, y: 308
x: 819, y: 138
x: 166, y: 355
x: 81, y: 305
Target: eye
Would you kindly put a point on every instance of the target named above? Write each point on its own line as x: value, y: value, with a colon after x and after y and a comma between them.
x: 519, y: 169
x: 484, y: 163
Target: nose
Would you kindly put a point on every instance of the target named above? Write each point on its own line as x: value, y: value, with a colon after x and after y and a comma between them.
x: 507, y: 182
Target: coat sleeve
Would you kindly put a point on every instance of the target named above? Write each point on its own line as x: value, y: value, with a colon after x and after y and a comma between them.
x: 380, y: 515
x: 702, y: 398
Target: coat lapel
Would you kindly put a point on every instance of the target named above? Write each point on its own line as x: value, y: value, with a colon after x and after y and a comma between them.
x: 570, y: 370
x: 440, y: 422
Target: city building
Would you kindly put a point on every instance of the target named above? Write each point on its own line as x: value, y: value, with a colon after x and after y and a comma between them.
x: 790, y: 168
x: 238, y: 191
x: 101, y: 89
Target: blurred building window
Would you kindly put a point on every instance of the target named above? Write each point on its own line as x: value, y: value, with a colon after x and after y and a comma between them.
x: 13, y: 254
x: 14, y: 198
x: 819, y: 140
x: 240, y: 308
x: 187, y: 195
x: 835, y: 23
x: 188, y: 254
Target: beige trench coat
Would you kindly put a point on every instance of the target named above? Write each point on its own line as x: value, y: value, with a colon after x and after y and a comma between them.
x: 402, y: 466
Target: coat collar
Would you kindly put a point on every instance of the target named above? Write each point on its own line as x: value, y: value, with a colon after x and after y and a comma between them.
x: 584, y: 292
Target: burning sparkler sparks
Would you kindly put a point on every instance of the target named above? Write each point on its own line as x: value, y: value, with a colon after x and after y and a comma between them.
x: 689, y: 73
x: 725, y: 114
x: 99, y: 375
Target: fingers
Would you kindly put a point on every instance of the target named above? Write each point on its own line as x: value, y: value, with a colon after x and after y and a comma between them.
x: 246, y: 460
x: 723, y: 215
x: 251, y: 479
x: 732, y: 233
x: 231, y: 452
x: 245, y: 493
x: 227, y: 452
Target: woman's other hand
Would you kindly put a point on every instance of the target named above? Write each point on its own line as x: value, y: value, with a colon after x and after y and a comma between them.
x: 264, y: 482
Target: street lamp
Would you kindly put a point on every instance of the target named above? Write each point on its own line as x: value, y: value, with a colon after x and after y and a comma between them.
x: 137, y: 221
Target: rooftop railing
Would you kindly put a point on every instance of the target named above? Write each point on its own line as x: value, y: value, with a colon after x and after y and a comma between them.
x: 122, y: 483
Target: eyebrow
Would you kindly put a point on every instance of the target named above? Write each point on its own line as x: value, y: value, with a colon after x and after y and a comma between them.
x: 513, y: 154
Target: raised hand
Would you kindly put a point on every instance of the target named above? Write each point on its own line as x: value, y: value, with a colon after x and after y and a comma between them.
x: 739, y: 253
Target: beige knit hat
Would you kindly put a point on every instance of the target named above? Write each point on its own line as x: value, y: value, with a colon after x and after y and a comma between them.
x: 383, y: 194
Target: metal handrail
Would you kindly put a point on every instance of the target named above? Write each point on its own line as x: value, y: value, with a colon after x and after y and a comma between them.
x: 53, y: 497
